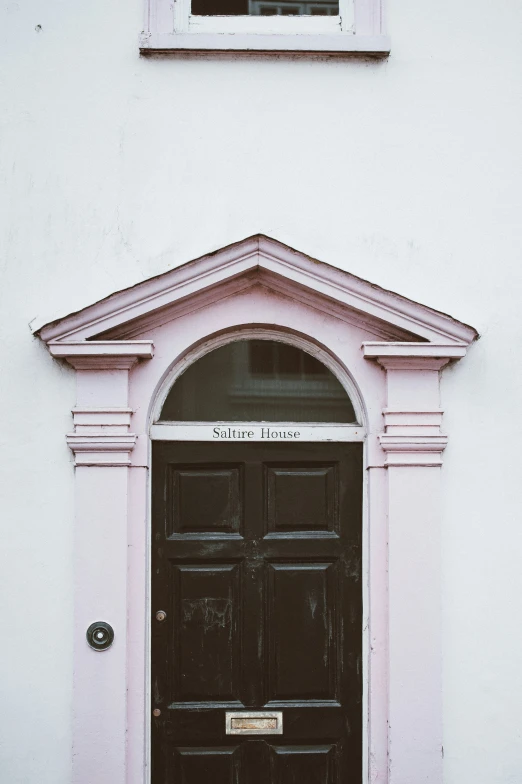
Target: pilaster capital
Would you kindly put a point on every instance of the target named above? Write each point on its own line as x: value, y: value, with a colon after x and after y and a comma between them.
x: 102, y: 354
x: 102, y: 417
x: 412, y: 418
x: 413, y: 356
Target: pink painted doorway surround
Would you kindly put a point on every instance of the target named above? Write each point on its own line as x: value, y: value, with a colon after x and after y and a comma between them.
x: 388, y: 353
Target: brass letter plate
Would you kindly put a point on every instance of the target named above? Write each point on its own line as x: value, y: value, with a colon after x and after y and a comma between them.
x: 254, y: 723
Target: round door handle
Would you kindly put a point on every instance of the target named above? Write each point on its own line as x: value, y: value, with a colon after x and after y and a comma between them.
x: 100, y: 635
x: 161, y: 615
x: 156, y: 712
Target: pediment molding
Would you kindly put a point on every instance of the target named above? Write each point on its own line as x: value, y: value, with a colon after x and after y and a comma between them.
x: 257, y: 261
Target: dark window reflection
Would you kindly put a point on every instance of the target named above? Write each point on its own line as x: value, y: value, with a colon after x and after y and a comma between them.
x: 266, y: 357
x: 258, y: 380
x: 264, y: 8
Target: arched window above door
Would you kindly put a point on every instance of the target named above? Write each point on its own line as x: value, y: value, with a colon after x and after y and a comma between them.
x: 261, y: 381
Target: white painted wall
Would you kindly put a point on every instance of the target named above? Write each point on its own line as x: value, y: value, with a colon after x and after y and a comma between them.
x: 405, y: 172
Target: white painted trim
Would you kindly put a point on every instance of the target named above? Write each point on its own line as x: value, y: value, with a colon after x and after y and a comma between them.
x: 255, y: 431
x: 322, y: 43
x: 268, y: 26
x: 388, y: 353
x: 141, y: 349
x: 290, y: 26
x: 170, y: 26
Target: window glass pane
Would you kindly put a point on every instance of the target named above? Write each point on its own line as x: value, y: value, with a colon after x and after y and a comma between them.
x: 264, y: 8
x: 289, y: 360
x: 257, y: 381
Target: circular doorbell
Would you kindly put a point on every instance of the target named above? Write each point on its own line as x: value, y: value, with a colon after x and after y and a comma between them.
x: 100, y: 635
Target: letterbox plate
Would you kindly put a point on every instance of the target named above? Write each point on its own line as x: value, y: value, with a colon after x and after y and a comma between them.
x: 254, y: 723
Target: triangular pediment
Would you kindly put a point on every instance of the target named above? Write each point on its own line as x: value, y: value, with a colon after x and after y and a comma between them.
x: 257, y: 261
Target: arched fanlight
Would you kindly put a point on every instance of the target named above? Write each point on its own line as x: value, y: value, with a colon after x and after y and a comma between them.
x: 258, y: 381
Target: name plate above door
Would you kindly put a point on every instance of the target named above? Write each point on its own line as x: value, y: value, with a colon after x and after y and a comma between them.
x: 254, y: 723
x: 255, y: 431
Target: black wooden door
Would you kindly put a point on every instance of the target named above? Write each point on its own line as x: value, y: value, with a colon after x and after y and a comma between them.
x: 256, y: 561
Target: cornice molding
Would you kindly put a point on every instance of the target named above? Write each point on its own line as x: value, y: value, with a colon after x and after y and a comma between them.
x: 102, y: 354
x: 99, y: 449
x: 97, y: 416
x: 412, y: 450
x: 266, y: 258
x: 413, y: 356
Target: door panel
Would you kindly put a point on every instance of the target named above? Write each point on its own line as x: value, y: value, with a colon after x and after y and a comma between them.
x: 301, y: 622
x: 303, y: 765
x: 301, y: 499
x: 204, y: 500
x: 256, y: 560
x: 196, y: 765
x: 206, y: 655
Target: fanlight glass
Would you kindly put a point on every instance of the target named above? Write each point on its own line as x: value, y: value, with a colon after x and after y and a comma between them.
x: 258, y: 381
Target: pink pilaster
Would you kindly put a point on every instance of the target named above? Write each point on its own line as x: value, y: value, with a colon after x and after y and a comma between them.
x: 102, y: 442
x: 413, y: 444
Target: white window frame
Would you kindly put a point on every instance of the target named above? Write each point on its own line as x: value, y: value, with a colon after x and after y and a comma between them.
x: 186, y: 22
x: 358, y: 28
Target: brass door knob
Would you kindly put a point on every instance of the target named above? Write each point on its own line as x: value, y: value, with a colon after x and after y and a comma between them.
x: 161, y: 615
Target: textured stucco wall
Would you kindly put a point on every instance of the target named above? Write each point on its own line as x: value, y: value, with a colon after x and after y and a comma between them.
x: 405, y: 172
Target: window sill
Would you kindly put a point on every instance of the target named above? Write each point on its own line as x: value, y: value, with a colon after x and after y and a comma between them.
x: 337, y: 44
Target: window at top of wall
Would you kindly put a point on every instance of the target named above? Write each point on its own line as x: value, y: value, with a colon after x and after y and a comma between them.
x: 306, y: 26
x: 264, y: 8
